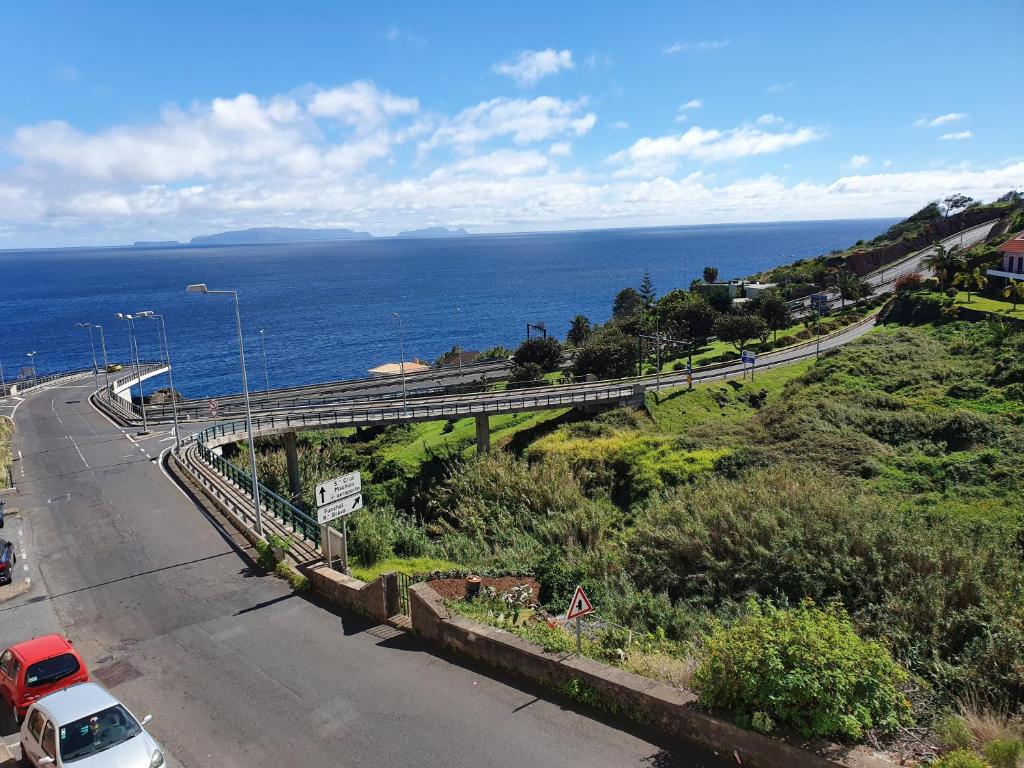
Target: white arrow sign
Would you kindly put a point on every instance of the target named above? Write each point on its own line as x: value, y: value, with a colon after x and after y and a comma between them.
x: 332, y: 490
x: 339, y: 508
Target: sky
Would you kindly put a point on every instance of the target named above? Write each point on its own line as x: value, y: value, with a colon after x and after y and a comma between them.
x: 124, y: 121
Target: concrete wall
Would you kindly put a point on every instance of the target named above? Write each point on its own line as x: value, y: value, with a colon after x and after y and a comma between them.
x: 369, y: 599
x: 649, y: 701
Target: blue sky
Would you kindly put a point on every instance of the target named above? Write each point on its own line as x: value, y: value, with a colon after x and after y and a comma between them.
x: 144, y: 120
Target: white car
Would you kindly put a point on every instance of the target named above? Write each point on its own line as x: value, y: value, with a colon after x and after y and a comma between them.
x: 84, y: 726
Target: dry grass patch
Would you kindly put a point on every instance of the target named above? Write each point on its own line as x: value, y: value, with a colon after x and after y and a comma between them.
x: 660, y: 666
x: 988, y: 723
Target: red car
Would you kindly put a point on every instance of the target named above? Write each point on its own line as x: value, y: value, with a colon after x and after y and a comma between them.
x: 36, y: 667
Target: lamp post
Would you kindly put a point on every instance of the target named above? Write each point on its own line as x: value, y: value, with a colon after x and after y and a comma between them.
x: 92, y: 346
x: 201, y: 288
x: 3, y: 384
x: 134, y: 351
x: 103, y: 349
x: 32, y: 364
x: 458, y: 335
x: 170, y: 375
x: 266, y: 376
x: 401, y: 360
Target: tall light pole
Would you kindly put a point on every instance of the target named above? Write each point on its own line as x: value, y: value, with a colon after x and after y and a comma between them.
x: 401, y: 360
x: 266, y: 376
x: 201, y: 288
x: 133, y: 349
x: 458, y: 336
x: 103, y: 349
x: 92, y: 346
x: 32, y: 363
x: 3, y: 384
x: 170, y: 375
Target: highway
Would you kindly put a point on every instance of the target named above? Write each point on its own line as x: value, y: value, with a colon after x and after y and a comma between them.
x: 236, y: 669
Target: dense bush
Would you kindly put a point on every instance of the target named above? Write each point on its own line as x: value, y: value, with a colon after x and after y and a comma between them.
x: 919, y: 307
x: 608, y: 353
x: 803, y: 667
x: 544, y: 352
x: 960, y: 758
x: 1004, y: 753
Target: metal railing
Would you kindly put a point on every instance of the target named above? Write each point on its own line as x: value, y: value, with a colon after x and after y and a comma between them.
x: 280, y: 508
x: 26, y: 385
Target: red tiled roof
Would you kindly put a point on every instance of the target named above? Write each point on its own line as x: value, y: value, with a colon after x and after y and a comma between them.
x: 1014, y: 245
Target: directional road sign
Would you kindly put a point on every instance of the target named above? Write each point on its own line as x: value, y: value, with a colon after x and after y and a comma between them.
x: 339, y: 508
x: 339, y: 487
x: 580, y: 606
x: 747, y: 357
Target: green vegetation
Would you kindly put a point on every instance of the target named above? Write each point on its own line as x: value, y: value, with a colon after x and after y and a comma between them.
x: 988, y: 304
x: 5, y: 451
x: 803, y: 666
x: 410, y: 566
x: 960, y: 758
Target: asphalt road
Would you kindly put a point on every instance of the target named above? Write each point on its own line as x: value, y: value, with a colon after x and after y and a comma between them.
x: 237, y: 670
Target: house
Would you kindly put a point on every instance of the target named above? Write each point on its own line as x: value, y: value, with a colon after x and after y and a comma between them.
x: 1013, y: 259
x: 395, y: 369
x: 753, y: 290
x: 463, y: 358
x: 734, y: 289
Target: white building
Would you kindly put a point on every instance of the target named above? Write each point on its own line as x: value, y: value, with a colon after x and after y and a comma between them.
x: 1013, y: 259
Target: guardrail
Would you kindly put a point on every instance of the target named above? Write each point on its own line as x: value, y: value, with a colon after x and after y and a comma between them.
x: 24, y: 386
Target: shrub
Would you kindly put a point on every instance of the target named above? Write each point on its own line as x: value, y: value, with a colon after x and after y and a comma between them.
x: 804, y: 667
x: 543, y: 352
x: 1004, y: 753
x: 953, y: 732
x: 525, y: 373
x: 371, y: 536
x: 960, y: 758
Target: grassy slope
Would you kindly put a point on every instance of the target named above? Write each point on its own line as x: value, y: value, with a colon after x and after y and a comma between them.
x: 5, y: 450
x: 995, y: 306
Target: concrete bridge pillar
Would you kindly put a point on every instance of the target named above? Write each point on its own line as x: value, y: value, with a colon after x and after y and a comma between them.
x: 292, y: 454
x: 483, y: 434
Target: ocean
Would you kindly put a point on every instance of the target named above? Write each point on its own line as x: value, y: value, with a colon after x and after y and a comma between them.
x: 326, y: 308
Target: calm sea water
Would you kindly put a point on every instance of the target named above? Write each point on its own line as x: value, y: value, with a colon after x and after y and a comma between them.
x: 327, y: 307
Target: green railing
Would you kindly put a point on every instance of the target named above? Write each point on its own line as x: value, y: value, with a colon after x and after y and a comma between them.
x: 280, y: 508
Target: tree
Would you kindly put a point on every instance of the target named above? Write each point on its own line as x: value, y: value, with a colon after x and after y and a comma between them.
x: 527, y: 373
x: 974, y: 280
x: 1014, y: 291
x: 686, y: 316
x: 738, y: 328
x: 451, y: 354
x: 945, y: 264
x: 647, y: 295
x: 851, y: 287
x: 710, y: 274
x: 579, y: 330
x: 957, y: 202
x: 627, y: 304
x: 607, y: 354
x: 774, y: 310
x: 546, y: 353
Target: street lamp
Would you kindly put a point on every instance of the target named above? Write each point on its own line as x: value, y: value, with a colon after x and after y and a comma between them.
x: 103, y: 349
x: 92, y: 346
x: 401, y: 360
x: 170, y: 375
x: 32, y: 363
x: 266, y: 376
x: 201, y: 288
x: 133, y: 349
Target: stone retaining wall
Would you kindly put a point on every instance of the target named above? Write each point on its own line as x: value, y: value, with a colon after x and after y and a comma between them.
x: 643, y: 699
x: 369, y: 599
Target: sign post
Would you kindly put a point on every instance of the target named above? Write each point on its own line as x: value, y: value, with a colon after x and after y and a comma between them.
x: 579, y: 608
x: 748, y: 358
x: 336, y: 498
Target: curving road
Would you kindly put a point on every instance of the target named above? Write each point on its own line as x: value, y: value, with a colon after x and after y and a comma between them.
x: 237, y: 670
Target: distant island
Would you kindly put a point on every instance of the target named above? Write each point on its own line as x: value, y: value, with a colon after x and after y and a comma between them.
x: 277, y: 235
x: 433, y: 232
x: 155, y: 242
x: 294, y: 234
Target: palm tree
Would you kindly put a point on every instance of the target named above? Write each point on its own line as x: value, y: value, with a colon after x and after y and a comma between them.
x: 974, y: 280
x: 945, y: 264
x: 851, y: 287
x: 579, y: 330
x: 1014, y: 291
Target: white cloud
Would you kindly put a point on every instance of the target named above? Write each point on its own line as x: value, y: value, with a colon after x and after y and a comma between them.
x: 657, y: 156
x: 620, y: 124
x: 887, y: 164
x: 502, y: 162
x: 950, y: 117
x: 957, y: 136
x: 527, y: 68
x: 780, y: 87
x: 770, y: 119
x: 523, y: 120
x: 692, y: 104
x: 361, y: 104
x: 702, y: 45
x: 857, y: 161
x: 560, y: 149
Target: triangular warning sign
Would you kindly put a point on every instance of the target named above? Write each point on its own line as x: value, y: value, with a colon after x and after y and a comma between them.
x: 580, y: 605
